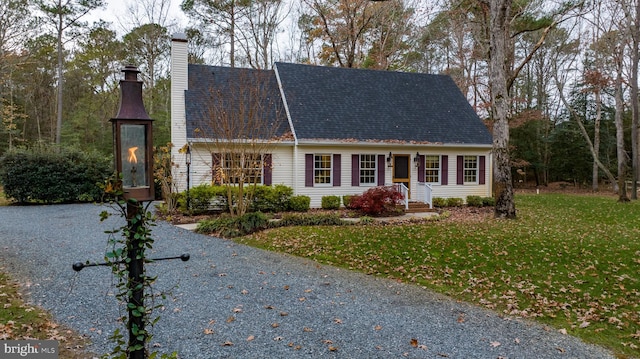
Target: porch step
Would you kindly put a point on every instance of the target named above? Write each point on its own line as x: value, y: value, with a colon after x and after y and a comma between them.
x: 418, y: 207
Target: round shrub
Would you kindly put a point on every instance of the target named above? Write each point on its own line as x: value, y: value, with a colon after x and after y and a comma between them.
x: 330, y: 202
x: 474, y: 201
x: 300, y: 203
x: 272, y: 198
x: 439, y: 202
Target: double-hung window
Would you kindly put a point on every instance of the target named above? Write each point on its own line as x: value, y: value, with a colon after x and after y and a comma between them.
x: 246, y: 167
x: 368, y: 170
x: 470, y: 174
x: 432, y: 169
x: 322, y: 169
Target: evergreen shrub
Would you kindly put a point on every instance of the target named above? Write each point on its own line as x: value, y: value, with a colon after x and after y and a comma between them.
x: 272, y: 198
x: 46, y: 175
x: 300, y: 203
x: 454, y: 202
x: 330, y: 202
x: 474, y: 201
x: 439, y: 202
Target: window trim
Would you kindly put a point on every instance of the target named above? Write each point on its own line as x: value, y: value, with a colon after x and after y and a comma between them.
x: 330, y: 169
x: 476, y: 170
x: 373, y: 158
x: 438, y: 169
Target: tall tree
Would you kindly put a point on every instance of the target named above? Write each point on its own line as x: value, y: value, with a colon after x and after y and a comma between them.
x: 507, y: 23
x: 221, y: 16
x: 64, y: 16
x: 149, y: 46
x: 262, y: 24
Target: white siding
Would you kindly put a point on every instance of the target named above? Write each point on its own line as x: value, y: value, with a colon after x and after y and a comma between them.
x: 450, y: 190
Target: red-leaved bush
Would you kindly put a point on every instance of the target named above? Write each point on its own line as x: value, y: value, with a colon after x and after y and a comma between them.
x: 377, y: 201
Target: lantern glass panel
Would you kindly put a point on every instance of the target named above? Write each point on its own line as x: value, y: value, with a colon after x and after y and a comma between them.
x: 133, y: 156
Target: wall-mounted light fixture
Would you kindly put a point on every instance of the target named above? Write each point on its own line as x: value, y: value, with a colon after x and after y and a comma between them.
x: 389, y: 164
x: 416, y: 159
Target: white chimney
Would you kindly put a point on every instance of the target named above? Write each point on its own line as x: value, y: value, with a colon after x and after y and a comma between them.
x: 179, y: 84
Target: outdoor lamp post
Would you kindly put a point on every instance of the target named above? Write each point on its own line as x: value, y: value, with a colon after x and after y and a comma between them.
x: 133, y: 144
x: 188, y: 162
x: 416, y: 159
x: 133, y: 150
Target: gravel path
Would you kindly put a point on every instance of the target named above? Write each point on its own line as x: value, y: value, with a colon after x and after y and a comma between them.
x: 267, y: 305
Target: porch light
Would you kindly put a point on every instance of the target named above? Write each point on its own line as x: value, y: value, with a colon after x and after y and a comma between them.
x: 132, y: 136
x: 416, y: 159
x: 389, y: 160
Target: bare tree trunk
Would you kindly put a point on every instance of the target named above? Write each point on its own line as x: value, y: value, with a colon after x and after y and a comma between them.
x: 585, y: 134
x: 60, y: 80
x: 635, y: 115
x: 499, y: 34
x: 622, y: 155
x: 596, y: 140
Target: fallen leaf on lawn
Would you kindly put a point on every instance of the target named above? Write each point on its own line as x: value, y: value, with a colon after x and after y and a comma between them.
x: 560, y: 350
x: 584, y: 324
x: 333, y: 349
x: 277, y: 339
x: 308, y: 290
x: 327, y: 341
x: 337, y: 321
x: 307, y: 329
x: 414, y: 342
x: 268, y: 307
x: 495, y: 344
x: 212, y: 322
x: 283, y: 314
x: 237, y: 310
x: 227, y: 344
x: 286, y: 287
x: 231, y: 319
x: 208, y: 331
x: 275, y: 325
x: 517, y: 341
x: 422, y: 346
x: 461, y: 318
x: 244, y: 291
x: 377, y: 327
x: 250, y: 338
x: 563, y: 331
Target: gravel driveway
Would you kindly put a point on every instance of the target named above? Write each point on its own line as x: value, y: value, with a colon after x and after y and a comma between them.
x: 233, y: 301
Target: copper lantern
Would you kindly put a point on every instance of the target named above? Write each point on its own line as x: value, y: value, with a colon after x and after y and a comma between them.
x: 133, y: 142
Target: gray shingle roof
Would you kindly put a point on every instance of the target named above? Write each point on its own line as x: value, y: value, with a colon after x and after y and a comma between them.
x: 213, y: 89
x: 337, y: 104
x: 365, y: 105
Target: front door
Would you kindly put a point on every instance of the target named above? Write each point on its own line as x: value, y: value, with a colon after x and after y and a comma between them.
x: 401, y: 170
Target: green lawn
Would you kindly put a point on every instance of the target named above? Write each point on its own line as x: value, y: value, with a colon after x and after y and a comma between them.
x: 569, y: 261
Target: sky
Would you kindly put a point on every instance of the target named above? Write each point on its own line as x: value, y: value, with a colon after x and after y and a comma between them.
x: 115, y: 10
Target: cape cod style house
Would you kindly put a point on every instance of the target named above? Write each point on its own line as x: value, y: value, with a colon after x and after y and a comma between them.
x: 336, y: 131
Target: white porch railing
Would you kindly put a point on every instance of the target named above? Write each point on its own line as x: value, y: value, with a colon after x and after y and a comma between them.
x: 427, y: 195
x: 400, y: 187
